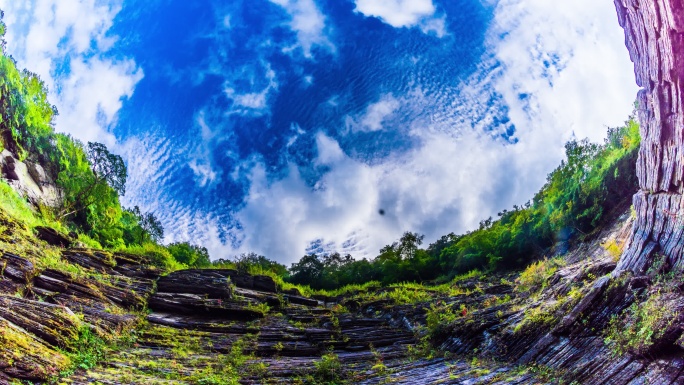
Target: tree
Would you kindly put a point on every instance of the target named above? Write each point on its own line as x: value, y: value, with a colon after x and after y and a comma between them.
x: 253, y: 262
x: 107, y: 167
x: 152, y: 226
x: 190, y: 255
x: 308, y: 270
x: 141, y: 227
x: 107, y: 172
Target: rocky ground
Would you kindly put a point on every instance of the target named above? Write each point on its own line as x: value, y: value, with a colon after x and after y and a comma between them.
x: 549, y: 325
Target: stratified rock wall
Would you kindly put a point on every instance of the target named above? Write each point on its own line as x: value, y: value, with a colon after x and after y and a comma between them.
x: 654, y: 34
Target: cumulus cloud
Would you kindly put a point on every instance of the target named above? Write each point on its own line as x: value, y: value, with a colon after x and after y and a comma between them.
x: 405, y: 13
x: 309, y: 23
x: 43, y: 35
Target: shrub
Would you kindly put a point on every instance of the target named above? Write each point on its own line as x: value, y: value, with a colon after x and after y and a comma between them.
x: 438, y: 317
x: 614, y: 249
x: 641, y: 326
x: 537, y: 275
x: 329, y: 370
x: 158, y: 255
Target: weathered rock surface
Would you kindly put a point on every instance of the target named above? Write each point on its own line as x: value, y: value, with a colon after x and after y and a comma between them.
x: 654, y: 34
x: 29, y: 180
x: 52, y: 236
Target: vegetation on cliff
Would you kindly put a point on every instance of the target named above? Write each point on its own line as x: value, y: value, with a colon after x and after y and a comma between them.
x: 455, y: 311
x: 90, y: 177
x: 590, y: 183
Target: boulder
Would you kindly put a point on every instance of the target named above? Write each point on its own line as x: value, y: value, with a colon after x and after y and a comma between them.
x: 37, y: 173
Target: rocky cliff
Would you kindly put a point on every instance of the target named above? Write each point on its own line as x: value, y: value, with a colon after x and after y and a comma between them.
x: 654, y: 34
x: 596, y: 315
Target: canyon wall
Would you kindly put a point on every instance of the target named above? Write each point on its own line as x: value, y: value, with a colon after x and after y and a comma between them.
x: 654, y: 35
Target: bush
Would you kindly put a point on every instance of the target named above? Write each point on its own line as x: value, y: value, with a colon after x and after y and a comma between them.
x: 329, y: 370
x: 158, y: 255
x: 641, y: 326
x: 438, y: 318
x: 189, y: 255
x: 537, y: 275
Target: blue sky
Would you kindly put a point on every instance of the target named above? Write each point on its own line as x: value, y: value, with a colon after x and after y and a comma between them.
x: 284, y: 126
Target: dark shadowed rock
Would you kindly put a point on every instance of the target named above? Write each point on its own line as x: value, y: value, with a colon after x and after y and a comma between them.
x: 37, y: 173
x: 52, y: 236
x: 8, y: 168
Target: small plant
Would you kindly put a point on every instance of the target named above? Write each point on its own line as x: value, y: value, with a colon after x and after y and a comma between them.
x: 261, y: 307
x: 536, y: 276
x: 87, y: 350
x: 614, y: 249
x: 439, y: 316
x: 640, y: 326
x: 537, y: 316
x: 278, y: 347
x: 329, y: 370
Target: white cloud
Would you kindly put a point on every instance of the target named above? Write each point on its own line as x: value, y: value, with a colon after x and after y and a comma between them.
x: 253, y: 102
x: 567, y: 57
x: 309, y: 24
x: 376, y: 114
x: 570, y: 58
x: 570, y: 61
x: 44, y: 33
x: 405, y: 13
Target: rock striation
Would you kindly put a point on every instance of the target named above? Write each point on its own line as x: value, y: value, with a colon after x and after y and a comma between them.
x: 654, y: 35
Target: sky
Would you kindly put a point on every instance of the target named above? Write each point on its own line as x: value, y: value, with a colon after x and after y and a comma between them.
x: 285, y: 127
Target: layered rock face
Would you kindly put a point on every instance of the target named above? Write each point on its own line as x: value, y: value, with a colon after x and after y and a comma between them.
x: 654, y: 34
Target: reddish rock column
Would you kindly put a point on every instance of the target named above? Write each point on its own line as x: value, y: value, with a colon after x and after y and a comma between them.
x: 654, y: 34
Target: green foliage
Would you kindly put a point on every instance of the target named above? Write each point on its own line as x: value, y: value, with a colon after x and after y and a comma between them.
x: 17, y: 207
x: 88, y: 350
x: 260, y: 307
x: 640, y: 326
x: 438, y: 317
x: 190, y: 255
x: 158, y: 255
x: 25, y: 114
x: 139, y: 228
x: 255, y: 264
x: 108, y: 168
x: 329, y: 370
x: 536, y: 317
x: 537, y: 275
